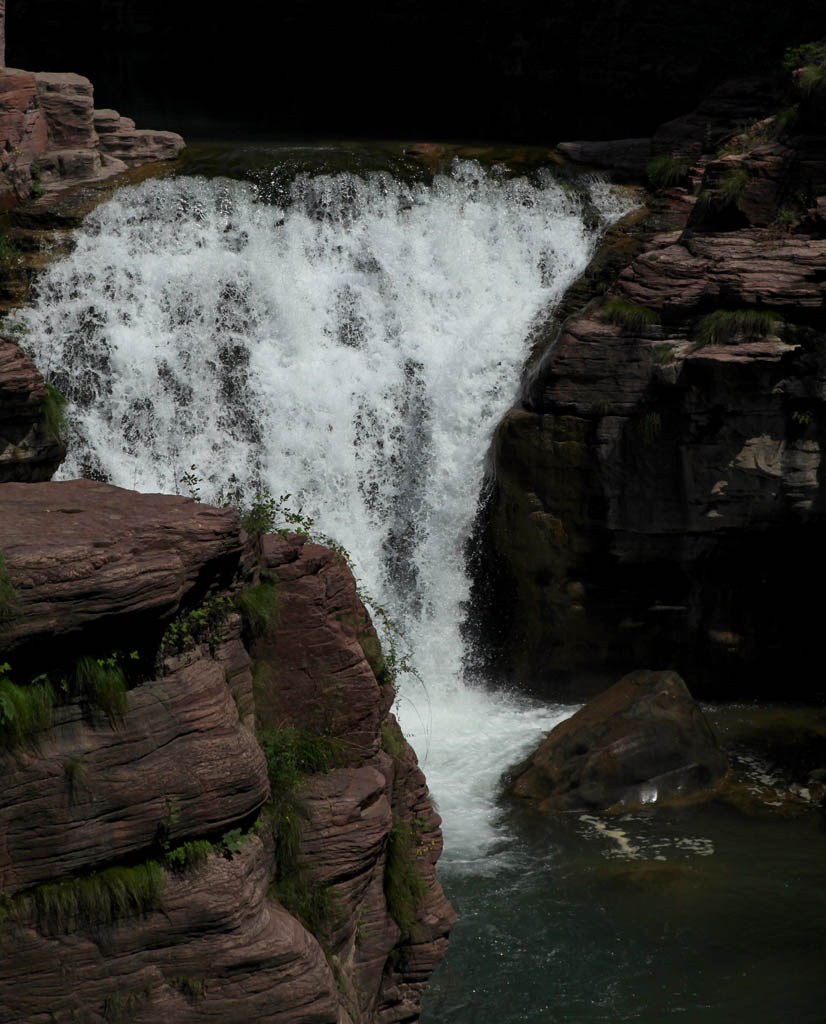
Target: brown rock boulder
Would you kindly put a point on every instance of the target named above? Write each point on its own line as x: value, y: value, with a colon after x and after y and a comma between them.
x: 643, y: 741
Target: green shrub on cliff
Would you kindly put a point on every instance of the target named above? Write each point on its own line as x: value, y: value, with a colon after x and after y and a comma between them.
x: 627, y: 315
x: 24, y: 710
x: 733, y: 185
x: 198, y: 625
x: 724, y: 326
x: 292, y: 754
x: 9, y: 254
x: 796, y: 57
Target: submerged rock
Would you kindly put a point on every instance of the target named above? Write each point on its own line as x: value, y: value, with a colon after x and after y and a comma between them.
x: 643, y: 741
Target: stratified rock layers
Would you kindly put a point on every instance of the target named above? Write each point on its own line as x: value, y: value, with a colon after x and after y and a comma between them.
x: 103, y: 793
x: 54, y: 136
x: 656, y: 500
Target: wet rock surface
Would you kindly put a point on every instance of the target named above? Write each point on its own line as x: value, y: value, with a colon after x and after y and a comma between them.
x: 643, y: 741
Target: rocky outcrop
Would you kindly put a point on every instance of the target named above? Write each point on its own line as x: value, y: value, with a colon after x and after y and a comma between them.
x: 658, y: 486
x: 321, y: 668
x: 53, y: 136
x: 143, y: 824
x: 641, y: 741
x: 30, y: 449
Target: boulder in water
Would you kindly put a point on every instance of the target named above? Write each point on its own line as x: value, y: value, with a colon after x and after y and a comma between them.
x: 643, y: 740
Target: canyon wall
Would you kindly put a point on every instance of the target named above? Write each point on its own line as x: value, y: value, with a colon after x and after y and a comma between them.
x: 656, y: 495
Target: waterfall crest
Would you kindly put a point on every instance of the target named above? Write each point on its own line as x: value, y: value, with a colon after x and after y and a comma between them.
x: 354, y: 346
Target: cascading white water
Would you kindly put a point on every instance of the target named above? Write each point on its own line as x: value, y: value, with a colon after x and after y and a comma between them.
x: 355, y: 349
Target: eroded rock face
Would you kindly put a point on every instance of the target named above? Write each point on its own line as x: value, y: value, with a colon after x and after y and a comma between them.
x: 28, y: 449
x: 55, y: 137
x: 314, y: 671
x: 650, y: 495
x: 92, y: 562
x: 642, y: 741
x: 217, y: 949
x: 98, y: 790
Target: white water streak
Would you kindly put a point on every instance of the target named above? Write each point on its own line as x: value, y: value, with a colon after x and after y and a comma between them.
x: 354, y: 349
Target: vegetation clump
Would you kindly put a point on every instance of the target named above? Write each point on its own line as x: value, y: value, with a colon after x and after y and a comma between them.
x: 9, y: 254
x: 54, y: 416
x: 24, y: 710
x: 649, y: 427
x: 666, y: 170
x: 724, y: 326
x: 258, y: 607
x: 9, y: 601
x: 292, y: 754
x: 101, y: 682
x: 201, y: 624
x: 627, y: 315
x: 733, y: 185
x: 404, y: 887
x: 95, y: 900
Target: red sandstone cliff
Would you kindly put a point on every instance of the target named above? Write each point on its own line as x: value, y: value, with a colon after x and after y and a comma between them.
x: 141, y: 850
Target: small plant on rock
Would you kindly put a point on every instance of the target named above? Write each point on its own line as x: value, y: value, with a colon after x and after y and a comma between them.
x: 25, y: 711
x: 628, y: 315
x: 101, y: 682
x: 55, y: 420
x: 724, y: 326
x: 258, y: 607
x: 9, y: 601
x: 667, y: 170
x: 733, y: 185
x: 404, y: 887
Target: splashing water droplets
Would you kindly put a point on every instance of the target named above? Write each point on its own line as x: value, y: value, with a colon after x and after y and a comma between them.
x: 353, y: 345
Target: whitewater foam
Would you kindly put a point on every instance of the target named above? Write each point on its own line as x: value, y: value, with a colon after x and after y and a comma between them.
x: 354, y: 347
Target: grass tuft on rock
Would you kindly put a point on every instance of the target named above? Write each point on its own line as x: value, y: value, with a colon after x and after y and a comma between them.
x: 292, y: 754
x: 101, y: 682
x: 92, y: 901
x: 732, y: 186
x: 724, y: 326
x: 25, y: 711
x: 666, y: 170
x: 404, y: 887
x: 259, y: 607
x: 9, y: 601
x: 627, y: 315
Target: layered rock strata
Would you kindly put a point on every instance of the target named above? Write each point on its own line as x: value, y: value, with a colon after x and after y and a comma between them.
x: 30, y: 447
x: 656, y: 493
x: 137, y: 848
x: 53, y: 136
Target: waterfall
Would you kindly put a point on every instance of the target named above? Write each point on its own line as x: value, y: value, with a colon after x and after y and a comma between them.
x: 352, y: 343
